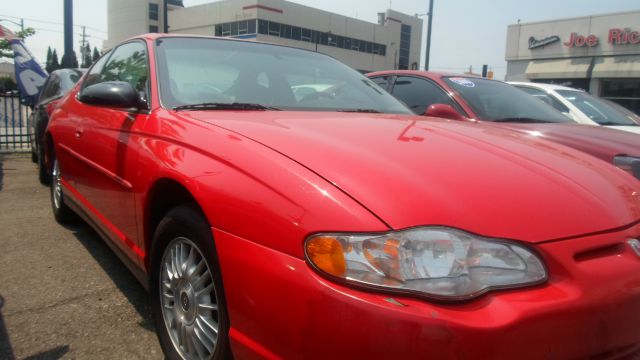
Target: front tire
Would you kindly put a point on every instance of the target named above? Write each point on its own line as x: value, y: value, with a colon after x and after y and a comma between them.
x: 61, y: 212
x: 43, y: 172
x: 187, y: 295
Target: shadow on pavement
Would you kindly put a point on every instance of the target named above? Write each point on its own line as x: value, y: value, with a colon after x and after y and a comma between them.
x: 6, y: 352
x: 117, y: 271
x: 56, y: 353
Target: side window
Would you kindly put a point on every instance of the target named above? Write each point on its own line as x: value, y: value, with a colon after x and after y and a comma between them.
x: 93, y: 77
x: 418, y: 94
x: 51, y: 89
x: 127, y: 63
x: 545, y: 98
x: 382, y: 81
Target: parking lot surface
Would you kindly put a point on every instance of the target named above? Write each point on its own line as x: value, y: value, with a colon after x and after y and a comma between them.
x: 63, y: 293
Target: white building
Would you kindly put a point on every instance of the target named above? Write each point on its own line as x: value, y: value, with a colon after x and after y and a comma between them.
x: 127, y: 18
x: 599, y: 53
x: 7, y: 69
x: 392, y: 43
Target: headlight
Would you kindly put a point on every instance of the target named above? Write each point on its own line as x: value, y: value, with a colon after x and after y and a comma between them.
x: 629, y: 164
x: 434, y: 262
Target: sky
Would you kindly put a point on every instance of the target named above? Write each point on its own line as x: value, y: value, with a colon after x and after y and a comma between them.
x: 465, y: 32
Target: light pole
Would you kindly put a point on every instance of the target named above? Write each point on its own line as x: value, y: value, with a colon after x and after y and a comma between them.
x: 428, y: 52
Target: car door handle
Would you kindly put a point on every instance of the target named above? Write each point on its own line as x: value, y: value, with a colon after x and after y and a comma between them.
x: 78, y: 133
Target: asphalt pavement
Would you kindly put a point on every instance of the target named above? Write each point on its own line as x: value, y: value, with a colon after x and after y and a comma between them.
x: 63, y: 293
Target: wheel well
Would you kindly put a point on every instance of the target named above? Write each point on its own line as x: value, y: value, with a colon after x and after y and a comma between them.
x: 164, y: 195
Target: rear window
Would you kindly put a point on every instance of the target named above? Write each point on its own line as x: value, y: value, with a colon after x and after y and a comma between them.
x: 497, y: 101
x: 596, y: 109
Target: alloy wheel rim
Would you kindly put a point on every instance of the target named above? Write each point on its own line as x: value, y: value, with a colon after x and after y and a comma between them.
x: 57, y: 185
x: 188, y: 299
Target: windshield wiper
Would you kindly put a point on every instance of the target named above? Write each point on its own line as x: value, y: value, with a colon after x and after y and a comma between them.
x: 371, y: 111
x: 524, y: 120
x: 224, y: 106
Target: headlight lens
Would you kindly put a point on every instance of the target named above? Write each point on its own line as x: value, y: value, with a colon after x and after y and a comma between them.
x: 435, y: 262
x: 629, y: 164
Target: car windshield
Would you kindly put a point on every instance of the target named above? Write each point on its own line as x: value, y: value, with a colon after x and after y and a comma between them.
x: 226, y: 74
x: 496, y: 101
x: 596, y: 109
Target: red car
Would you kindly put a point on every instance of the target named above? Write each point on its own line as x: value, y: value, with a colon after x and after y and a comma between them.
x: 469, y: 98
x: 337, y: 225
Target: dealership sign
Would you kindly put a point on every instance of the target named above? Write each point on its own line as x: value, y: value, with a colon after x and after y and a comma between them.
x: 616, y: 37
x: 535, y: 43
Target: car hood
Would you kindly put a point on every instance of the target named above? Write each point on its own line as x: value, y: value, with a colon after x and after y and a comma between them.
x: 633, y: 129
x: 599, y: 141
x: 412, y: 171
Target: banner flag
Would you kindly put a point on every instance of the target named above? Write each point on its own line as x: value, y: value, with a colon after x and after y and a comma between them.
x: 29, y: 74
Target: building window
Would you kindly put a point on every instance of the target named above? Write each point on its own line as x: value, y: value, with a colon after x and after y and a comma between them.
x: 153, y: 11
x: 153, y: 28
x: 263, y: 27
x: 244, y: 27
x: 625, y: 92
x: 272, y: 28
x: 405, y: 47
x: 306, y: 35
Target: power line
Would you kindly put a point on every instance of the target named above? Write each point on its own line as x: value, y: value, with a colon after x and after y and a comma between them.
x: 53, y: 22
x: 62, y: 32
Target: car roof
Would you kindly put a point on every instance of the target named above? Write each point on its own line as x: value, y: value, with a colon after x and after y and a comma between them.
x: 155, y: 36
x: 542, y: 86
x: 427, y: 74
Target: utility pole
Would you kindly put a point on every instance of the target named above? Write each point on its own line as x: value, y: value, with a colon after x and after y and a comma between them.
x: 84, y: 51
x: 165, y: 16
x: 21, y: 24
x: 428, y: 53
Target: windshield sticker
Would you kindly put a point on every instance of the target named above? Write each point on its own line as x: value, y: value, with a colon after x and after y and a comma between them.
x: 463, y: 81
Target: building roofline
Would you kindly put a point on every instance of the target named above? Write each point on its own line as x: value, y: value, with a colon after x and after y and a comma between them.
x: 258, y: 2
x: 576, y: 18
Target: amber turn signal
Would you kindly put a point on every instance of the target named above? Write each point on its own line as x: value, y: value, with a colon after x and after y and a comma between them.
x: 327, y: 254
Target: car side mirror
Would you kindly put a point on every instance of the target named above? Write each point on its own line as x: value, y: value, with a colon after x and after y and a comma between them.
x: 443, y: 111
x: 116, y: 94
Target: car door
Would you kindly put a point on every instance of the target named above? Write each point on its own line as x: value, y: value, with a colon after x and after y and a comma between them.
x: 110, y: 151
x: 418, y: 94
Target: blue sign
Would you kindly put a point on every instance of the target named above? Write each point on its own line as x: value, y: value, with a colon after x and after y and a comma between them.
x: 29, y: 75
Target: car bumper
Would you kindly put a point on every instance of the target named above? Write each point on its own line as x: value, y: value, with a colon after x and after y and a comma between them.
x: 590, y: 307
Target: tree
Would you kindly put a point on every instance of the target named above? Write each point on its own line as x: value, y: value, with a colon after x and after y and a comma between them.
x: 5, y: 47
x: 55, y: 65
x: 69, y: 61
x: 49, y: 64
x: 96, y: 55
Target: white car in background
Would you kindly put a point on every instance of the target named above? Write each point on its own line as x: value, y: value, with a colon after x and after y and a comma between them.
x: 582, y: 107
